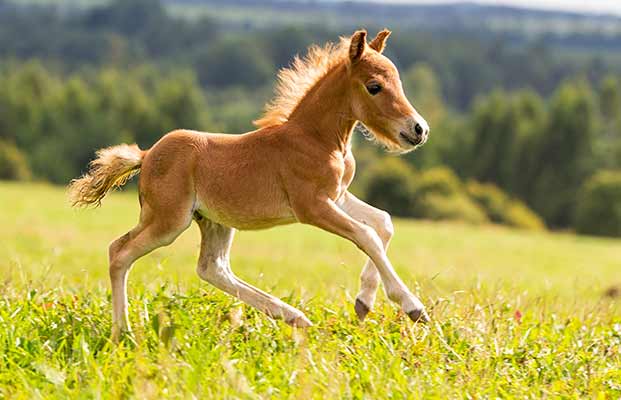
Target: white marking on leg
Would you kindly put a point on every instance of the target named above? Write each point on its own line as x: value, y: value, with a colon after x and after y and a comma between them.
x: 214, y: 267
x: 123, y: 252
x: 381, y: 222
x: 327, y: 215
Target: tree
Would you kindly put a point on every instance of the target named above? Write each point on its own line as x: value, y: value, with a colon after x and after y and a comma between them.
x: 564, y: 153
x: 13, y: 164
x: 388, y: 186
x: 608, y: 146
x: 423, y: 89
x: 234, y: 61
x: 129, y: 17
x: 610, y: 98
x: 599, y: 210
x: 503, y: 126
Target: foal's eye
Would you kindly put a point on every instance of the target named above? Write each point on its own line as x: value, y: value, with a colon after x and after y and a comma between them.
x: 374, y: 88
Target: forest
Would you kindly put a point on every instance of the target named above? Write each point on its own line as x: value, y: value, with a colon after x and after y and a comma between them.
x: 526, y: 129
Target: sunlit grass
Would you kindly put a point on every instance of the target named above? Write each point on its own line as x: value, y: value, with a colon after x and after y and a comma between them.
x: 515, y: 314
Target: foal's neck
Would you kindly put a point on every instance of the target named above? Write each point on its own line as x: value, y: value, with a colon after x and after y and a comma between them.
x: 325, y: 111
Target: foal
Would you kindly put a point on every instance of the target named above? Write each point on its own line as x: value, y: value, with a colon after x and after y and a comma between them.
x: 295, y: 168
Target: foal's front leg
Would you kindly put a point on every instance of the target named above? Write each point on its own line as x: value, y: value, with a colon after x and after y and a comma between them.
x: 381, y: 222
x: 214, y: 267
x: 325, y: 214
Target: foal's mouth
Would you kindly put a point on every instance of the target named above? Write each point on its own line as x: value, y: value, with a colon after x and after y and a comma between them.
x: 411, y: 140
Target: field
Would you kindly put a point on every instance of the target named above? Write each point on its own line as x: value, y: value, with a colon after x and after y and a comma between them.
x: 515, y: 314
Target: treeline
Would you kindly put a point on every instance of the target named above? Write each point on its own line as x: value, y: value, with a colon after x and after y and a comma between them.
x: 224, y: 55
x: 58, y: 122
x: 540, y: 152
x: 128, y: 72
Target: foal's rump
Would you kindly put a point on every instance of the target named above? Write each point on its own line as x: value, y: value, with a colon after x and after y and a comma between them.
x: 114, y: 166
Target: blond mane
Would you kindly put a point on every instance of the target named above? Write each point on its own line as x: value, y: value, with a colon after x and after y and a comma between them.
x: 294, y: 82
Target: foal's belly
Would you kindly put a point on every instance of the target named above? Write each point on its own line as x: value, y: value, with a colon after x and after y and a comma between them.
x: 246, y: 224
x: 241, y: 220
x: 242, y: 204
x: 243, y: 210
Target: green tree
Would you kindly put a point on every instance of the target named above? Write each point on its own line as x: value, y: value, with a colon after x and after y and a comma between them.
x: 423, y: 89
x: 180, y: 104
x: 608, y: 145
x: 388, y: 185
x: 564, y: 153
x: 234, y: 61
x: 503, y: 126
x: 599, y: 207
x: 610, y: 98
x: 13, y: 164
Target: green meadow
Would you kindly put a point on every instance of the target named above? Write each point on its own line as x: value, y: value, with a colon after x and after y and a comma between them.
x: 514, y: 313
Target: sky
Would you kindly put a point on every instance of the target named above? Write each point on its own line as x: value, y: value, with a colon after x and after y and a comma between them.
x: 591, y: 6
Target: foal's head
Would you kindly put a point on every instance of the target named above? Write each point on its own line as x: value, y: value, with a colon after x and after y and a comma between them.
x: 377, y: 96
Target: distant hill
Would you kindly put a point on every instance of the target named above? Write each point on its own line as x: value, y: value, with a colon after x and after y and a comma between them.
x: 459, y: 16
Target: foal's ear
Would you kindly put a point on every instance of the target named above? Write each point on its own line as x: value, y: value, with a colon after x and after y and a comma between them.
x: 379, y: 42
x: 357, y: 44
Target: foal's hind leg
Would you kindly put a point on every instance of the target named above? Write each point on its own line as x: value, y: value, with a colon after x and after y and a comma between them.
x: 214, y: 267
x: 153, y: 231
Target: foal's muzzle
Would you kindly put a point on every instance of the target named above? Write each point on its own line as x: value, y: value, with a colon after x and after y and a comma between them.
x: 416, y: 132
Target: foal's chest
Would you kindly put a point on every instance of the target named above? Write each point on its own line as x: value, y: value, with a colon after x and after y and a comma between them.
x: 347, y: 169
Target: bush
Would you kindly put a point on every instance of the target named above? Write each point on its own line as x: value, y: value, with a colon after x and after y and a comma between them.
x: 13, y: 164
x: 388, y: 185
x: 501, y: 209
x: 490, y: 198
x: 517, y: 214
x: 439, y: 195
x: 456, y: 207
x: 439, y: 180
x: 598, y: 211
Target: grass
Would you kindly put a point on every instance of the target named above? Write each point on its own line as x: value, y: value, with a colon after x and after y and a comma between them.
x: 515, y: 314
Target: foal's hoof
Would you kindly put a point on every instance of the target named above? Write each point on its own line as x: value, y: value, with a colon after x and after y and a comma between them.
x: 419, y: 315
x: 119, y: 334
x: 361, y: 309
x: 115, y: 335
x: 299, y: 322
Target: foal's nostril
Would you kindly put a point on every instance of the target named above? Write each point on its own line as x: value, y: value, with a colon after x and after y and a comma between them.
x: 419, y: 130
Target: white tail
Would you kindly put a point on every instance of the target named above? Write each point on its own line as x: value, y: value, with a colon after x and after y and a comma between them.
x: 112, y: 168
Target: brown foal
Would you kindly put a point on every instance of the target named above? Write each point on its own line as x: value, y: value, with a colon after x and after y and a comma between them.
x: 296, y: 167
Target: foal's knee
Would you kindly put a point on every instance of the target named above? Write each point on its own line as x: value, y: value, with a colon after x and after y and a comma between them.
x: 118, y: 267
x: 115, y: 255
x: 384, y: 227
x: 117, y: 245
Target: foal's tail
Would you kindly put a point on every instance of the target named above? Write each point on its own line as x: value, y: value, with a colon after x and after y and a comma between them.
x: 112, y: 168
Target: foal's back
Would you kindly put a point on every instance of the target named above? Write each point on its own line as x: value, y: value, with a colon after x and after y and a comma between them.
x: 233, y: 180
